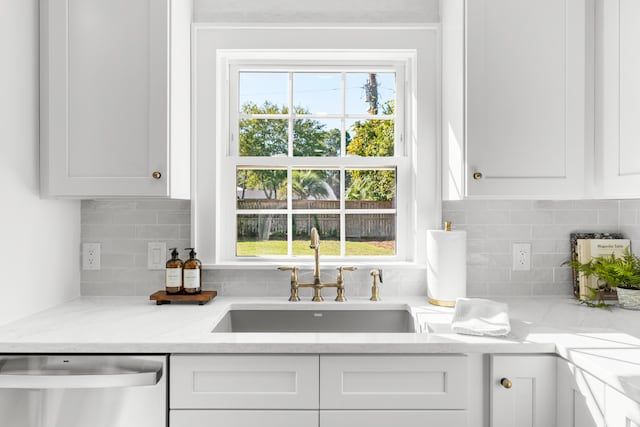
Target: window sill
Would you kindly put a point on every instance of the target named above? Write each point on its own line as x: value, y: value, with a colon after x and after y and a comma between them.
x: 269, y: 265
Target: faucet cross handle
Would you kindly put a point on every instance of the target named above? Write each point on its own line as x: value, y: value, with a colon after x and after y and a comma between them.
x: 340, y: 282
x: 294, y: 281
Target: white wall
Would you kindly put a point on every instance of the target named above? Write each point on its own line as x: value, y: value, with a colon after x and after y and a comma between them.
x: 39, y: 239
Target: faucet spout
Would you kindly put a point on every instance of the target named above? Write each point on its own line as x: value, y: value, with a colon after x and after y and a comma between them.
x: 315, y: 245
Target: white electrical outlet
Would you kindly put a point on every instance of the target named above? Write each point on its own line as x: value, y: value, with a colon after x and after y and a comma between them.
x: 156, y: 255
x: 521, y: 256
x: 91, y: 256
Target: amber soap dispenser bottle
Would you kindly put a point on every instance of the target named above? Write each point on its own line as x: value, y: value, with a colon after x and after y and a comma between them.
x: 192, y: 273
x: 173, y: 273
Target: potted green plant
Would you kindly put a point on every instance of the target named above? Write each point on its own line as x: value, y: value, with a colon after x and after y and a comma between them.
x: 622, y: 273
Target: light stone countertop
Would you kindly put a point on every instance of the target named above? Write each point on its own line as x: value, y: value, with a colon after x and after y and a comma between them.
x: 558, y: 325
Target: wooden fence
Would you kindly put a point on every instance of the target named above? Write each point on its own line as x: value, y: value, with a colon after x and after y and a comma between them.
x: 371, y: 226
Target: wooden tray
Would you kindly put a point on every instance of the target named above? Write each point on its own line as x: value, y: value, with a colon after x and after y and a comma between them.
x: 162, y: 297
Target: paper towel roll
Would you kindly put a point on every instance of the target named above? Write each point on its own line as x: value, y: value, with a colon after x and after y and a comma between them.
x: 446, y: 266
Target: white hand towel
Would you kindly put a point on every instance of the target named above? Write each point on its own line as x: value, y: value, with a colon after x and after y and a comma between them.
x: 474, y: 316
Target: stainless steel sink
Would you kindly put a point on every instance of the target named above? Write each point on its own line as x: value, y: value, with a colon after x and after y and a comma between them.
x: 309, y: 320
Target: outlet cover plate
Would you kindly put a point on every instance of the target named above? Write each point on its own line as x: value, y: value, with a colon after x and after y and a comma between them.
x: 91, y: 256
x: 521, y: 256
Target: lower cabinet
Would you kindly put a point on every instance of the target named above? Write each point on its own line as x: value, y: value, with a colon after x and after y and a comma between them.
x: 393, y: 382
x: 523, y: 390
x: 393, y: 418
x: 319, y: 390
x: 245, y: 418
x: 244, y: 382
x: 581, y: 397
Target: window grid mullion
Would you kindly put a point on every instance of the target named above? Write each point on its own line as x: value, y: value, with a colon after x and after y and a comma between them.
x: 289, y: 211
x: 343, y: 217
x: 343, y: 121
x: 290, y: 171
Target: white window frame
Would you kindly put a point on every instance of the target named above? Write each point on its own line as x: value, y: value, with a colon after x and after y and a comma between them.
x: 237, y: 62
x: 219, y: 48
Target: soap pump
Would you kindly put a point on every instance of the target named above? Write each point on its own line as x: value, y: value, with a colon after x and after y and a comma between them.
x: 173, y: 273
x: 192, y: 273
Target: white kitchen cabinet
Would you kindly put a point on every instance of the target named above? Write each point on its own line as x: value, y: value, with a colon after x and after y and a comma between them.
x: 244, y: 418
x: 618, y: 97
x: 115, y: 98
x: 392, y: 418
x: 393, y: 382
x: 523, y: 390
x: 581, y: 397
x: 244, y: 382
x: 523, y: 98
x: 620, y: 410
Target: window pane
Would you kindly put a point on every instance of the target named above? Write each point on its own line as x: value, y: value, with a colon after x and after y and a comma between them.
x: 370, y: 93
x: 317, y: 93
x: 370, y: 138
x: 315, y: 189
x: 328, y: 227
x: 370, y: 189
x: 264, y: 138
x: 263, y: 90
x: 261, y: 188
x: 314, y: 137
x: 261, y: 235
x: 371, y: 235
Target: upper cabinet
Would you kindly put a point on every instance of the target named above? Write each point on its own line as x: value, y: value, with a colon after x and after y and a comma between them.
x: 115, y: 98
x: 618, y: 97
x: 515, y: 84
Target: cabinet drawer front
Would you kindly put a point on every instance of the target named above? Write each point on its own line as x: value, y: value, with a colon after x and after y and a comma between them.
x: 393, y: 418
x: 244, y: 381
x: 191, y: 418
x: 393, y: 382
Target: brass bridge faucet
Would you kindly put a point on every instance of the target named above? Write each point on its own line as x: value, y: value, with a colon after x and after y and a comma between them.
x: 317, y: 285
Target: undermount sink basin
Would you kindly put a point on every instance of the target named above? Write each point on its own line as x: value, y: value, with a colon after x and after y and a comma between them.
x: 309, y: 320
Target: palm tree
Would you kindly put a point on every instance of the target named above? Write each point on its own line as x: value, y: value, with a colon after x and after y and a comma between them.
x: 307, y: 184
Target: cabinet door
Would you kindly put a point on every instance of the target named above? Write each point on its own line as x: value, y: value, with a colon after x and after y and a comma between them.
x: 526, y: 105
x: 618, y: 97
x: 530, y: 398
x: 580, y: 397
x: 181, y: 418
x: 244, y: 382
x: 105, y: 92
x: 393, y: 382
x: 392, y: 418
x: 620, y: 410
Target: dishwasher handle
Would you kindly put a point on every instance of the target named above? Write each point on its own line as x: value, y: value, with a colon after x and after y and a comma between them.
x: 67, y: 372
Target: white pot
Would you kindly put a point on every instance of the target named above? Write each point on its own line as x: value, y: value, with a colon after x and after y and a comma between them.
x: 629, y: 298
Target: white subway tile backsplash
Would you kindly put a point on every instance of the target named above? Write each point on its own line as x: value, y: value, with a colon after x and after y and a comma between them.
x: 124, y: 227
x: 546, y: 224
x: 531, y: 217
x: 159, y: 232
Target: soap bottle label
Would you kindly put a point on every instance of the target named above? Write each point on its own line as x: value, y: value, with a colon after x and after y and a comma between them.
x: 192, y: 278
x: 173, y: 277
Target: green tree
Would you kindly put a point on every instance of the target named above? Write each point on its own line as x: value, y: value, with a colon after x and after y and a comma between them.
x: 269, y: 137
x: 308, y: 183
x: 372, y: 138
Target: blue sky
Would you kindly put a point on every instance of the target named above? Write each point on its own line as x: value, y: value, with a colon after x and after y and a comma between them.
x: 319, y: 93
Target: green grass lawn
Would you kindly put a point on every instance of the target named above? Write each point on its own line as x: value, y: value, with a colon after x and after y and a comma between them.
x: 301, y: 247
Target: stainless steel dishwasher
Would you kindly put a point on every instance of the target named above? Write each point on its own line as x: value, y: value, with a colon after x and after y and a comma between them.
x: 83, y: 391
